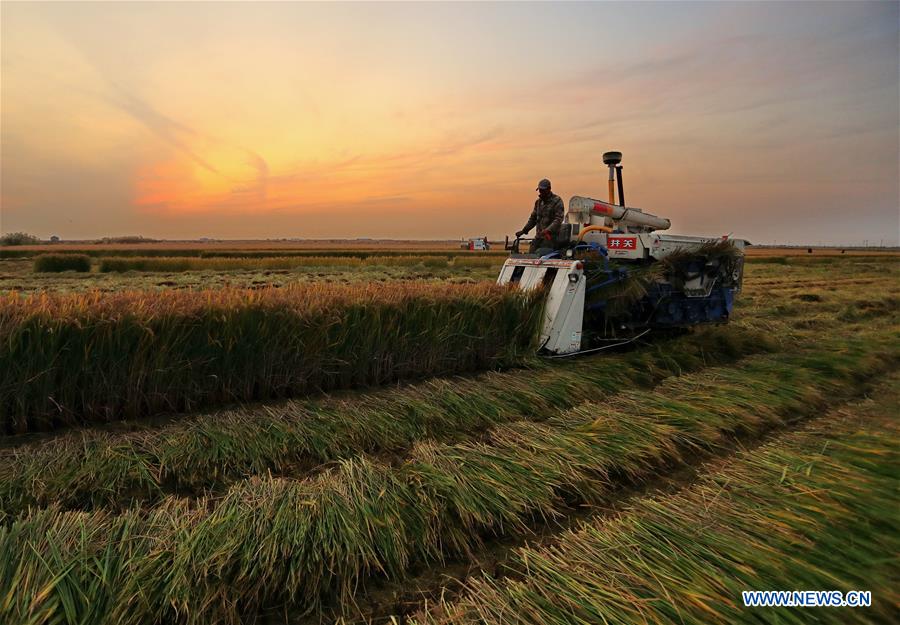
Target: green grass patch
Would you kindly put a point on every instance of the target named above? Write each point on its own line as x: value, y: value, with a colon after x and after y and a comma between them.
x: 48, y: 263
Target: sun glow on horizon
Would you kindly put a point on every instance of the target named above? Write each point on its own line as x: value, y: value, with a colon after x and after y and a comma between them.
x: 298, y: 119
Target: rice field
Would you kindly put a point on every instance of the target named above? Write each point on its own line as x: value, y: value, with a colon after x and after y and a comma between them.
x: 71, y: 359
x: 812, y: 509
x: 170, y: 265
x: 113, y: 271
x: 393, y: 453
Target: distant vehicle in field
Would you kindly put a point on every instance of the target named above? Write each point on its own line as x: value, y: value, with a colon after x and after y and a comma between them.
x: 480, y: 244
x: 611, y: 278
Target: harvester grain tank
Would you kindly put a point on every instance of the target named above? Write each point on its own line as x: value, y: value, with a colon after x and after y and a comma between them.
x: 612, y: 276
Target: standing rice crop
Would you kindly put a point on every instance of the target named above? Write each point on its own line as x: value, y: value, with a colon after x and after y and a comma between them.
x: 77, y: 358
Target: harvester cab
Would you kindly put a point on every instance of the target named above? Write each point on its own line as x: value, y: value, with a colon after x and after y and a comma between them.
x: 611, y: 277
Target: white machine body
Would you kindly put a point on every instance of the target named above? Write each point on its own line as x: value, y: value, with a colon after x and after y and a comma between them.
x: 564, y: 306
x: 590, y: 212
x: 627, y: 232
x: 641, y: 246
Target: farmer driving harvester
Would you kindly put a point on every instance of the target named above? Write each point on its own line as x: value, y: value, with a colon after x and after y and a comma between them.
x: 547, y: 216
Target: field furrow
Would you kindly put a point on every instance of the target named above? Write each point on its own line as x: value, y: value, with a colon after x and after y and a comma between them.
x: 432, y: 588
x: 813, y: 509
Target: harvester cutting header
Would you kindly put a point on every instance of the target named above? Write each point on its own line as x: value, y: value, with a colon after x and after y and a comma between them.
x: 611, y: 277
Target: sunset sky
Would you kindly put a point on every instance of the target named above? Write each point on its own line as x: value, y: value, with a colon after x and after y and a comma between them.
x: 777, y: 122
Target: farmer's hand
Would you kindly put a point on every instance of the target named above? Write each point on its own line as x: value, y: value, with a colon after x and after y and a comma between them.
x: 519, y: 233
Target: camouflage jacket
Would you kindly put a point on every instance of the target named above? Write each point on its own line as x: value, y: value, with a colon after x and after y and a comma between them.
x: 547, y: 215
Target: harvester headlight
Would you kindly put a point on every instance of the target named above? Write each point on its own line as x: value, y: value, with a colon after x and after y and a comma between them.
x: 573, y: 277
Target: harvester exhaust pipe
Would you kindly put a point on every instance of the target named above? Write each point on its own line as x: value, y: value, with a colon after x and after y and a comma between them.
x: 612, y: 160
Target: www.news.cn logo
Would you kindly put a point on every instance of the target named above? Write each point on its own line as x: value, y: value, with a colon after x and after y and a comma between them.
x: 806, y: 599
x: 622, y: 243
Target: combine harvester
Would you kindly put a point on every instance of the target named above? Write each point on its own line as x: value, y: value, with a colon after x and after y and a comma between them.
x: 611, y: 278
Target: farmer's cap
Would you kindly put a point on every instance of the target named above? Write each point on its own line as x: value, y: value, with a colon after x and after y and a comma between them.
x: 543, y: 184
